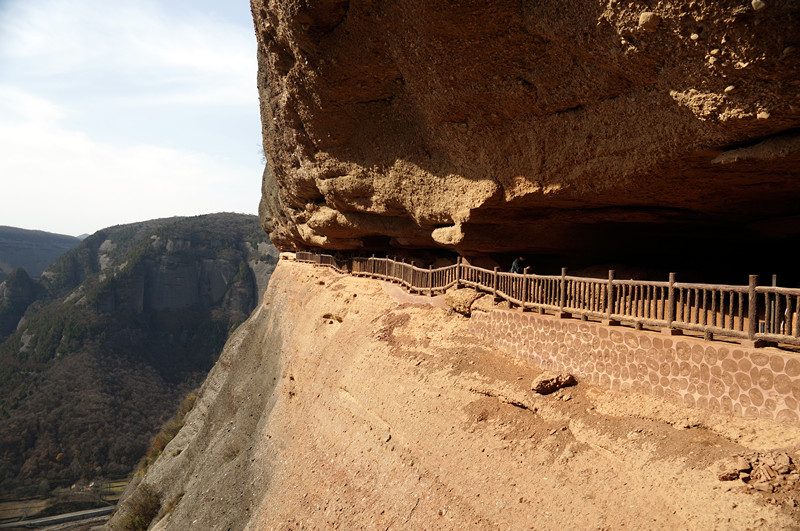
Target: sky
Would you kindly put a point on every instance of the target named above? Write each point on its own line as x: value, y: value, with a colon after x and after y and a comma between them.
x: 114, y: 111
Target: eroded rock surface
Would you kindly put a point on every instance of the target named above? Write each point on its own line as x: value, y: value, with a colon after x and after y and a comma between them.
x: 496, y: 126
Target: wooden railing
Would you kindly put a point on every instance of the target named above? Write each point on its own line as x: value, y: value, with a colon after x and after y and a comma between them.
x: 408, y: 275
x: 342, y: 266
x: 759, y: 315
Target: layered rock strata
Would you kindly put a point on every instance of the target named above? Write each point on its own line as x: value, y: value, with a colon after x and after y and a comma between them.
x: 496, y: 126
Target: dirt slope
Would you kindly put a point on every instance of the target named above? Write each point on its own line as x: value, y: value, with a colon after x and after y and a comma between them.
x: 338, y: 406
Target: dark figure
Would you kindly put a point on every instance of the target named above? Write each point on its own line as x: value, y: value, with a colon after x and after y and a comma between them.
x: 519, y: 265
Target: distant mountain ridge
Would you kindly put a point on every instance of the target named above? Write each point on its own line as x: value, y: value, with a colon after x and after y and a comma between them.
x: 119, y: 328
x: 33, y: 250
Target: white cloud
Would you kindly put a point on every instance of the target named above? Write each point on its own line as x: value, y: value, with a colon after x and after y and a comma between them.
x: 136, y: 47
x: 63, y: 181
x: 21, y: 107
x: 99, y: 99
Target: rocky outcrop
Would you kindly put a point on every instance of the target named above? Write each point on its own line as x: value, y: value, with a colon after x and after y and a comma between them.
x: 17, y: 292
x: 497, y: 126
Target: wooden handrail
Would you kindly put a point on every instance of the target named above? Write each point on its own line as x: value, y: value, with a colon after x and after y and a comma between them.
x: 759, y: 314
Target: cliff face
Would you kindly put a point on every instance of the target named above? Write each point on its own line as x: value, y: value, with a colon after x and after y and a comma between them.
x: 343, y: 403
x: 100, y: 348
x: 499, y: 126
x: 17, y: 292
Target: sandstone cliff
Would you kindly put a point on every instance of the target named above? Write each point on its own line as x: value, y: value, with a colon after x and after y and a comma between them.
x: 501, y: 125
x: 343, y: 403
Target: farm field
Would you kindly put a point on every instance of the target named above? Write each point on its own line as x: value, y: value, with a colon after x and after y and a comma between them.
x: 63, y: 500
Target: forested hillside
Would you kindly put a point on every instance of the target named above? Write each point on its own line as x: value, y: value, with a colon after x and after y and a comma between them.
x: 121, y: 327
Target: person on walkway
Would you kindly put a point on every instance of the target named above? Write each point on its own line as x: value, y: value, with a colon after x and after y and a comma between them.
x: 519, y: 265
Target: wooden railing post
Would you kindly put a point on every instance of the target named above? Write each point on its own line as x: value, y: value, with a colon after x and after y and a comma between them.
x: 752, y: 315
x: 774, y: 310
x: 671, y: 300
x: 608, y: 321
x: 458, y: 272
x: 562, y: 302
x: 525, y: 286
x: 430, y: 281
x: 495, y: 280
x: 752, y: 308
x: 669, y: 330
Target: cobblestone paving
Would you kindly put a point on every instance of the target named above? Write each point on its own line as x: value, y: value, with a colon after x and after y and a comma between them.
x: 722, y: 378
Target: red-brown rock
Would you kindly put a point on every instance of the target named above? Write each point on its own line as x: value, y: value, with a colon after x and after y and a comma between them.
x: 497, y: 126
x: 549, y: 382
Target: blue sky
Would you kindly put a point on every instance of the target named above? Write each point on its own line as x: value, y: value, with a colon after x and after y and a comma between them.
x: 114, y: 111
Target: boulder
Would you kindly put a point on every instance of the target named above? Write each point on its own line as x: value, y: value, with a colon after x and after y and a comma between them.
x: 484, y: 304
x: 743, y: 465
x: 649, y: 20
x: 461, y: 299
x: 548, y: 382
